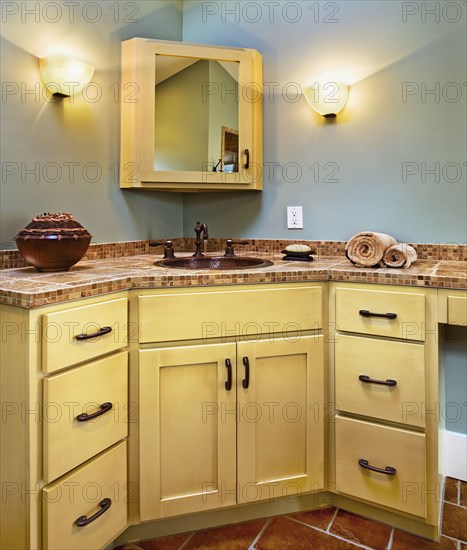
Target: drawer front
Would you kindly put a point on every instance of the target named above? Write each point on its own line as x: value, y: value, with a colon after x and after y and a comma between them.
x: 457, y: 310
x: 60, y: 345
x: 409, y: 310
x: 381, y: 361
x: 84, y: 390
x: 381, y: 447
x: 201, y: 315
x: 80, y: 494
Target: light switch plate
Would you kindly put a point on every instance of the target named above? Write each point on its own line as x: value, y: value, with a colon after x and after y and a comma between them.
x: 294, y: 217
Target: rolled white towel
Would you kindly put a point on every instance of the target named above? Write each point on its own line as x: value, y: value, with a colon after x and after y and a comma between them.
x: 400, y: 255
x: 366, y: 249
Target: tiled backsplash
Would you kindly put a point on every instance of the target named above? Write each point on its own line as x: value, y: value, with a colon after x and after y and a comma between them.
x: 11, y: 258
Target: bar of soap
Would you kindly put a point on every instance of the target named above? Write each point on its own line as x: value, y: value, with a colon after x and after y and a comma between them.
x: 298, y: 248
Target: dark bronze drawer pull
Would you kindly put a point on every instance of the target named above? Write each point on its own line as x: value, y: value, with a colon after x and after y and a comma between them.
x: 100, y: 332
x: 368, y: 380
x: 228, y: 383
x: 247, y: 163
x: 84, y: 417
x: 105, y: 504
x: 246, y: 380
x: 366, y: 313
x: 389, y: 470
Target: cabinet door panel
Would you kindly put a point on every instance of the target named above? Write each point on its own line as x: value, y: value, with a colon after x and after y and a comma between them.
x: 77, y: 391
x: 381, y: 446
x: 187, y: 430
x: 408, y: 307
x: 457, y: 310
x: 280, y: 432
x: 227, y: 312
x: 60, y: 329
x: 401, y: 362
x: 80, y: 494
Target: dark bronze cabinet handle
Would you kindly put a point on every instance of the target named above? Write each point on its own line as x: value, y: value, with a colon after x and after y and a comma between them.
x: 389, y: 470
x: 105, y: 504
x: 246, y: 380
x: 84, y: 417
x: 228, y: 383
x: 247, y: 163
x: 366, y: 313
x: 100, y: 332
x: 367, y: 380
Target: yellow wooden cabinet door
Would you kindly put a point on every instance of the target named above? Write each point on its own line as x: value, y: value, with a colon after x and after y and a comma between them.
x: 85, y: 411
x: 280, y: 426
x: 381, y: 313
x: 457, y: 310
x: 381, y: 378
x: 87, y: 509
x: 382, y: 464
x: 187, y: 429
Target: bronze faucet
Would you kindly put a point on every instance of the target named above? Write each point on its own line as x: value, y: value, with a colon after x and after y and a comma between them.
x: 200, y: 228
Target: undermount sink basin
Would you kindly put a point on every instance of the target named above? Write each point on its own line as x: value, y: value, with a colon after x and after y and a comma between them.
x: 214, y: 262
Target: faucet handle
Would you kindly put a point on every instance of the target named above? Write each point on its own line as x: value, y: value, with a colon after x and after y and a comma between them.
x: 229, y: 250
x: 168, y: 252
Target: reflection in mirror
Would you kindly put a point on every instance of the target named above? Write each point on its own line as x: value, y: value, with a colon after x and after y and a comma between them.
x: 196, y: 114
x: 229, y: 150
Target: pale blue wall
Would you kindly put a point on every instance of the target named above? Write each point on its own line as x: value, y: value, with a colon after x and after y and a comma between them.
x: 377, y: 134
x: 48, y: 137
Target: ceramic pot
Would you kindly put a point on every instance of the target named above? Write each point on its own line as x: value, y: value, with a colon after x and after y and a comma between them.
x: 53, y: 242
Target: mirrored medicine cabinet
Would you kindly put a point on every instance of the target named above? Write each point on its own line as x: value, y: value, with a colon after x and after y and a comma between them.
x: 191, y: 117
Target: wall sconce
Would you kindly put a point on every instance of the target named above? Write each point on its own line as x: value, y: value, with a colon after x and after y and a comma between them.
x: 327, y: 98
x: 64, y: 76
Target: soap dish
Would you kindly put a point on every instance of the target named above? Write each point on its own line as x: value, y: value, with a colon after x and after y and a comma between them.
x: 296, y: 256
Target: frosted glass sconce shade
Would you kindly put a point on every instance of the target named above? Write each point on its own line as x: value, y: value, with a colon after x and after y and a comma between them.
x: 64, y: 76
x: 327, y: 98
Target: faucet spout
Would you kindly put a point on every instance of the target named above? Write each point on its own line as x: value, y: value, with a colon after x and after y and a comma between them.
x: 200, y: 228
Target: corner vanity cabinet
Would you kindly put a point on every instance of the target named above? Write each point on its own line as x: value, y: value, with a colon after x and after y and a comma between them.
x: 228, y: 399
x: 191, y: 117
x: 231, y: 388
x: 64, y: 394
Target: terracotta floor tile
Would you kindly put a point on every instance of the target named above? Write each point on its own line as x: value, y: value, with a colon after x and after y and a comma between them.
x: 166, y: 543
x: 230, y: 537
x: 455, y: 522
x: 284, y: 534
x: 320, y: 518
x: 405, y: 541
x: 451, y: 492
x: 361, y: 530
x: 463, y: 493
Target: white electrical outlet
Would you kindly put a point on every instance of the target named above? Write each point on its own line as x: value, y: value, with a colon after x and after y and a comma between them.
x: 294, y: 217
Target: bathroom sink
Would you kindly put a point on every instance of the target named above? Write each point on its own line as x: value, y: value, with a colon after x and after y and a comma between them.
x: 214, y: 262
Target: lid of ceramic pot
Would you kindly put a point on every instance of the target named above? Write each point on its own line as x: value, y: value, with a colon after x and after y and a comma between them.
x: 53, y: 226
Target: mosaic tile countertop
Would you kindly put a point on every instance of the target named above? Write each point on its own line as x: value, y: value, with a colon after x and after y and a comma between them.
x: 26, y: 287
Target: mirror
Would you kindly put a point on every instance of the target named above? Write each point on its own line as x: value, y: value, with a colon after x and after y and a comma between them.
x: 196, y: 114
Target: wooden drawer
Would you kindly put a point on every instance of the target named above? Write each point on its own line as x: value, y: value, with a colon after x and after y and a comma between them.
x: 408, y: 307
x: 457, y: 310
x: 68, y: 442
x: 382, y: 447
x: 200, y: 315
x: 61, y: 348
x: 382, y: 360
x: 80, y: 494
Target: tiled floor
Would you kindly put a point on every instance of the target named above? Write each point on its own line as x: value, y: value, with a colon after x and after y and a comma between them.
x: 324, y: 529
